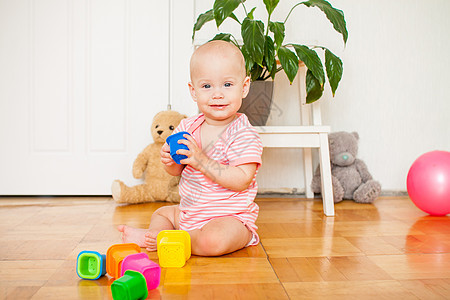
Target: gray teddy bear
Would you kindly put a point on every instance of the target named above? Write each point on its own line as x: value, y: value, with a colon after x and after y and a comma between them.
x: 350, y: 177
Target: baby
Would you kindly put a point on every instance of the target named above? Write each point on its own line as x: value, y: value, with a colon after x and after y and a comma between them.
x: 218, y: 177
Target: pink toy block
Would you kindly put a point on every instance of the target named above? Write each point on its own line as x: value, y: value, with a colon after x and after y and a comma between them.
x: 141, y: 263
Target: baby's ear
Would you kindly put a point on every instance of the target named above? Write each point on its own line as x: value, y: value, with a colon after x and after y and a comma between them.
x: 192, y: 91
x: 246, y: 87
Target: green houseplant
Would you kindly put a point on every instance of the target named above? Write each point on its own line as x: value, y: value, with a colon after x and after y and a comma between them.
x: 263, y: 43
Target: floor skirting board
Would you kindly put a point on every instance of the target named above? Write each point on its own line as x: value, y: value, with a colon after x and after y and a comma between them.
x: 288, y: 192
x: 262, y: 193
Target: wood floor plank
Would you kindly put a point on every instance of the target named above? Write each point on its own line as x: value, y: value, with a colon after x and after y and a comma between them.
x: 358, y: 268
x: 380, y: 289
x: 288, y: 216
x: 11, y: 216
x: 18, y: 292
x: 222, y: 270
x: 44, y: 232
x: 373, y: 228
x: 37, y: 250
x: 226, y: 291
x: 90, y: 291
x: 27, y: 272
x: 428, y: 288
x: 306, y: 269
x: 295, y: 230
x: 385, y: 250
x: 414, y: 266
x: 309, y: 247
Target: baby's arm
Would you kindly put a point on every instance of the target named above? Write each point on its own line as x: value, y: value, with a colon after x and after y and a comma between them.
x: 170, y: 166
x: 236, y: 178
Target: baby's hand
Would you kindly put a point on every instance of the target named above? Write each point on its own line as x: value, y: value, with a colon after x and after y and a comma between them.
x: 195, y: 156
x: 166, y: 159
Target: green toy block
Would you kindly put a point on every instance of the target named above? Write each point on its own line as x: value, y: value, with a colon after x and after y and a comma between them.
x: 131, y: 286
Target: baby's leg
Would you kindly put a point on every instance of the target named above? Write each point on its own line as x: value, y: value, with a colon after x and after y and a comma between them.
x: 220, y: 236
x: 132, y: 235
x: 164, y: 218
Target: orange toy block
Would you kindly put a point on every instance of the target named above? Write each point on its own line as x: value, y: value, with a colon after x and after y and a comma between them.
x: 116, y: 254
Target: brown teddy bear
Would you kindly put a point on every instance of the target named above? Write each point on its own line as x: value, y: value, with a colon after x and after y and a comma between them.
x: 158, y: 186
x: 350, y: 176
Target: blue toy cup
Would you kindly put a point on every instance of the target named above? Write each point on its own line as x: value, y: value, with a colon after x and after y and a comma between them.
x: 91, y: 265
x: 172, y: 141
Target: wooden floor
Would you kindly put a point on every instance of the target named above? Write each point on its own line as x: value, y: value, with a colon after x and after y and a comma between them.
x: 389, y: 250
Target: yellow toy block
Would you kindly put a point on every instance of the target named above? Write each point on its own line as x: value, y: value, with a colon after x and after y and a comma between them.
x: 174, y: 248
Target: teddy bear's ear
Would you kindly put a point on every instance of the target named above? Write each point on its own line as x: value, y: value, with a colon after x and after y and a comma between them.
x: 356, y: 135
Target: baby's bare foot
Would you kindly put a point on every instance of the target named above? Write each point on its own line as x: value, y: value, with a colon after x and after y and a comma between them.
x: 133, y: 235
x: 150, y: 239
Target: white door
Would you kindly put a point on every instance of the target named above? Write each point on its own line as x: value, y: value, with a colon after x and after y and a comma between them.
x: 80, y: 82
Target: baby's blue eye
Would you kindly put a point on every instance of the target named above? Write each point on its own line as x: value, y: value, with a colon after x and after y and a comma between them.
x: 206, y: 86
x: 227, y: 84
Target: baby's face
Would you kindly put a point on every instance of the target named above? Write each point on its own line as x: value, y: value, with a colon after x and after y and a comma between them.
x: 218, y: 84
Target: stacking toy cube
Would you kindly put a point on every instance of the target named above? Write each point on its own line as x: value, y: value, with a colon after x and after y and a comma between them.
x: 174, y: 248
x: 91, y: 265
x: 172, y: 141
x: 141, y: 263
x: 130, y: 286
x: 116, y: 254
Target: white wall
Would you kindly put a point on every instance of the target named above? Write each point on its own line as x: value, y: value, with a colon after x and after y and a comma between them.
x: 80, y: 82
x: 394, y: 92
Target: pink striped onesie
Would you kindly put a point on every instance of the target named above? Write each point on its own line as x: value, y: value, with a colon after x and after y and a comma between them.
x: 203, y: 200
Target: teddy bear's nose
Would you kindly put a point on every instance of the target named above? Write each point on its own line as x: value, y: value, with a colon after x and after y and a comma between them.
x: 159, y: 132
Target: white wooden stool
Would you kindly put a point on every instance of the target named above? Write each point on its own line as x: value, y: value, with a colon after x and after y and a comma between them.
x: 310, y: 134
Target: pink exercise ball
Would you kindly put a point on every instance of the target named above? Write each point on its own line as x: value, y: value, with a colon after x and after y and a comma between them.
x: 428, y: 182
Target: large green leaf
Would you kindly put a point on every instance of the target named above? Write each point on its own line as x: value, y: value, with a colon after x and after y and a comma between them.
x: 274, y: 70
x: 250, y: 14
x: 313, y: 88
x: 336, y: 16
x: 255, y: 72
x: 248, y: 60
x: 233, y: 16
x: 312, y: 61
x: 201, y: 20
x: 222, y: 37
x: 252, y: 32
x: 278, y: 32
x: 289, y: 62
x: 269, y: 53
x: 334, y: 69
x: 270, y: 5
x: 223, y: 9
